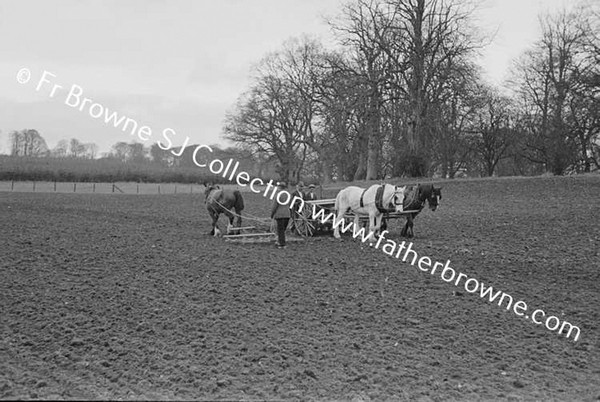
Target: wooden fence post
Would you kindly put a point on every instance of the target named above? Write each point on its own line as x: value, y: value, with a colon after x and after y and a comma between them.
x: 34, y: 186
x: 113, y: 187
x: 12, y: 185
x: 159, y: 189
x: 55, y: 186
x: 74, y: 187
x: 190, y: 189
x: 175, y: 189
x: 137, y: 188
x: 93, y: 187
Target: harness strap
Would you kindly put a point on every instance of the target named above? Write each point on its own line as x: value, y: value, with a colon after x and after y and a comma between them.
x: 416, y: 202
x: 379, y: 199
x: 362, y: 204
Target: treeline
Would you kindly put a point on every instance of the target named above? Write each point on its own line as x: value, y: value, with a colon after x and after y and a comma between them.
x: 96, y: 171
x: 30, y: 142
x: 31, y: 159
x: 402, y: 95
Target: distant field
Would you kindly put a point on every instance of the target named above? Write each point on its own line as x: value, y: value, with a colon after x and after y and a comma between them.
x: 107, y: 188
x: 101, y: 188
x: 97, y: 170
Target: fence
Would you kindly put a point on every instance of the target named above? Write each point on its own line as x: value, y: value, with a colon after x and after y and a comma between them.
x: 101, y: 188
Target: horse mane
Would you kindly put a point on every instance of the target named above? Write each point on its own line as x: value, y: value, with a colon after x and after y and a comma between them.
x: 426, y: 189
x: 417, y: 195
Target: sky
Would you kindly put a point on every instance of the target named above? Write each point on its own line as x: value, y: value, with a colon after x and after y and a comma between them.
x: 177, y: 64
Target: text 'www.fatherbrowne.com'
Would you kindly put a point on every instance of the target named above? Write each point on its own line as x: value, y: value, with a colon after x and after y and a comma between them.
x: 447, y: 273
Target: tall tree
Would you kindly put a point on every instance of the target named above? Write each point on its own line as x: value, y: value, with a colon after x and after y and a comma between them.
x: 552, y: 82
x: 429, y: 40
x: 361, y: 25
x: 493, y: 131
x: 405, y: 49
x: 273, y: 116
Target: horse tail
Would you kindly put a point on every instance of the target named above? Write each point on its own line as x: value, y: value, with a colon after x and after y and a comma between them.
x: 239, y: 201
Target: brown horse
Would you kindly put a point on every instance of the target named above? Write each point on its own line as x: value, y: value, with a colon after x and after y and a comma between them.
x: 219, y: 201
x: 414, y: 200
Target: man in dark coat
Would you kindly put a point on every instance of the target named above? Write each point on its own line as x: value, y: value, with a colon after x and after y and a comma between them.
x: 281, y: 214
x: 310, y: 195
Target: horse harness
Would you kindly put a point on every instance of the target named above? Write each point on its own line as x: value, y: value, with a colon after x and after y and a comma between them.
x: 415, y: 199
x: 378, y: 199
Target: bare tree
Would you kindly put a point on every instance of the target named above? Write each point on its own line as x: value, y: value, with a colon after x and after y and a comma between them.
x: 137, y: 152
x: 361, y: 26
x: 91, y: 150
x: 160, y: 156
x: 553, y: 83
x: 121, y: 150
x: 273, y: 117
x: 429, y: 41
x: 494, y: 131
x: 76, y: 148
x: 28, y: 143
x: 404, y: 49
x: 61, y: 149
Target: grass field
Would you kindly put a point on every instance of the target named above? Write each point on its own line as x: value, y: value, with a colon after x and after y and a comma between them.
x: 125, y: 297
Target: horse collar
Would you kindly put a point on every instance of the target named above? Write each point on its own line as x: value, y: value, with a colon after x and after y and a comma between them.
x: 379, y: 199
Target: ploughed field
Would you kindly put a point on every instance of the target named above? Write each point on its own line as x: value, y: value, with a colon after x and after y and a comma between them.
x: 125, y: 297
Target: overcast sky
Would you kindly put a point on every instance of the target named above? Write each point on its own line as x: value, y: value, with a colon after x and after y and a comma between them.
x: 177, y: 64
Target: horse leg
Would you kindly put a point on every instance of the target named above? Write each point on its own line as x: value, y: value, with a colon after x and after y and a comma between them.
x: 213, y: 223
x: 336, y: 229
x: 230, y: 216
x: 377, y: 227
x: 409, y: 227
x: 238, y: 221
x: 404, y: 231
x: 356, y: 222
x: 215, y: 226
x: 338, y: 208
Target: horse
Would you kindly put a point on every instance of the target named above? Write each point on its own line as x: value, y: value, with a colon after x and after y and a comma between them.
x: 414, y: 200
x: 219, y: 201
x: 374, y: 201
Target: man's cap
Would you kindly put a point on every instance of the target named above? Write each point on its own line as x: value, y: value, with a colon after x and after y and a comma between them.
x: 281, y: 184
x: 311, y: 186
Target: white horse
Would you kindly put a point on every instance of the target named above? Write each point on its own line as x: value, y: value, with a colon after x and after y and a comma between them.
x: 374, y: 201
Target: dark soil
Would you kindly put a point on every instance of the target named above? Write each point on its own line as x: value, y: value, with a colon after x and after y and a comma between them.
x: 126, y: 297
